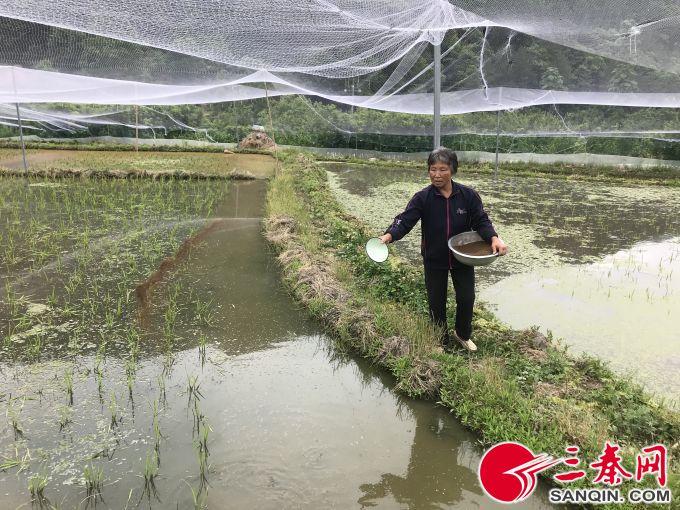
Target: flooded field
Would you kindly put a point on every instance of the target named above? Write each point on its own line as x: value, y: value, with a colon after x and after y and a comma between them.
x: 597, y: 264
x: 259, y: 165
x: 150, y: 358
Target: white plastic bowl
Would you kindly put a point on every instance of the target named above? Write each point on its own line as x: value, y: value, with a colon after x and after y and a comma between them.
x: 470, y: 260
x: 376, y: 250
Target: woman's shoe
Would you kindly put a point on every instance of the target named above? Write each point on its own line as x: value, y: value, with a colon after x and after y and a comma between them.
x: 468, y: 345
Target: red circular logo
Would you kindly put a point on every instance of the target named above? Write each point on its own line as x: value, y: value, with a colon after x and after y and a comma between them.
x: 507, y: 472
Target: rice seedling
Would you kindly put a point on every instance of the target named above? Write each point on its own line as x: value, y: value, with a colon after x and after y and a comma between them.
x: 109, y: 317
x: 202, y: 453
x: 99, y: 375
x: 168, y: 362
x: 199, y: 498
x: 162, y: 398
x: 22, y: 462
x: 199, y: 418
x: 170, y: 318
x: 36, y: 486
x: 11, y: 298
x: 149, y: 474
x: 93, y: 477
x: 203, y: 312
x: 13, y: 417
x: 202, y: 342
x: 68, y: 384
x: 193, y: 388
x: 65, y: 416
x: 132, y: 341
x: 52, y: 298
x: 35, y: 346
x: 130, y: 371
x: 113, y: 410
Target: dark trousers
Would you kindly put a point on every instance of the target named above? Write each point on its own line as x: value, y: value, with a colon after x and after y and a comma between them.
x: 436, y: 282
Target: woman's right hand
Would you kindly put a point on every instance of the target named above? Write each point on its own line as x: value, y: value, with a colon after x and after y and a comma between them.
x: 386, y: 238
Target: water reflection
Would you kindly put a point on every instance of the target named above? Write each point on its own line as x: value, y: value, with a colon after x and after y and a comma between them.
x: 441, y: 471
x: 435, y: 476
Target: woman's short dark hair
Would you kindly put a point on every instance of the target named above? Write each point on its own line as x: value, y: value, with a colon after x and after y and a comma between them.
x: 443, y: 155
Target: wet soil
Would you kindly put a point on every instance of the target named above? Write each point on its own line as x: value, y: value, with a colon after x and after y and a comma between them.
x: 32, y: 158
x: 478, y: 248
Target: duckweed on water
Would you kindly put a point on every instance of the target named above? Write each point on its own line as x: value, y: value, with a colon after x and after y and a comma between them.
x: 546, y: 222
x: 559, y: 233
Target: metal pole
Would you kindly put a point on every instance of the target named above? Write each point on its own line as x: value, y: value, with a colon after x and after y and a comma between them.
x: 437, y: 94
x: 498, y: 132
x: 21, y: 137
x: 136, y: 127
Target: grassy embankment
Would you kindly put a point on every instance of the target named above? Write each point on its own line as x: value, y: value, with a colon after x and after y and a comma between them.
x: 118, y: 164
x: 519, y: 386
x: 76, y: 145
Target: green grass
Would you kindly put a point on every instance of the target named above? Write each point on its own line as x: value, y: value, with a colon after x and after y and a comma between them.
x: 510, y: 390
x: 10, y: 147
x: 121, y: 163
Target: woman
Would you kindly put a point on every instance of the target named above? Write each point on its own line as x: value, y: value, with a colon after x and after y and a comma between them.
x: 446, y: 208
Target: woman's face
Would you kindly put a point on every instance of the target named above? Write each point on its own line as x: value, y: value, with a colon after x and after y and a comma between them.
x: 440, y: 174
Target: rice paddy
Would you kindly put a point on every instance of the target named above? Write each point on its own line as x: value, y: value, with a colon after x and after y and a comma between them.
x: 594, y: 263
x: 151, y: 358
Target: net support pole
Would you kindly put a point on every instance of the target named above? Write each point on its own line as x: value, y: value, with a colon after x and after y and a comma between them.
x: 136, y: 127
x: 21, y: 137
x: 271, y: 129
x: 498, y: 137
x: 437, y: 95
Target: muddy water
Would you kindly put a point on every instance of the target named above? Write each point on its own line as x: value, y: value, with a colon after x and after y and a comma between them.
x: 597, y: 264
x: 290, y: 422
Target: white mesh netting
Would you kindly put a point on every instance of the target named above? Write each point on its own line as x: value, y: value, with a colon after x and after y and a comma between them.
x: 377, y: 55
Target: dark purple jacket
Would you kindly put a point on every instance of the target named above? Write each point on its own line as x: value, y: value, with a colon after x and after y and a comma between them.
x: 441, y: 219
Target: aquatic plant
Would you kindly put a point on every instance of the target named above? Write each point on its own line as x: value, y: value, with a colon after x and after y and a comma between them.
x: 13, y: 417
x: 65, y: 416
x: 113, y: 410
x: 201, y: 445
x: 22, y: 462
x: 193, y: 388
x: 162, y: 398
x: 203, y: 312
x: 202, y: 342
x: 157, y: 435
x: 130, y: 371
x: 68, y: 384
x: 93, y: 477
x: 149, y: 474
x: 36, y: 486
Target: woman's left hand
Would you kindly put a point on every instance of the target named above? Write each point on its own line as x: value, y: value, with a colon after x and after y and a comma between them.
x: 498, y: 246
